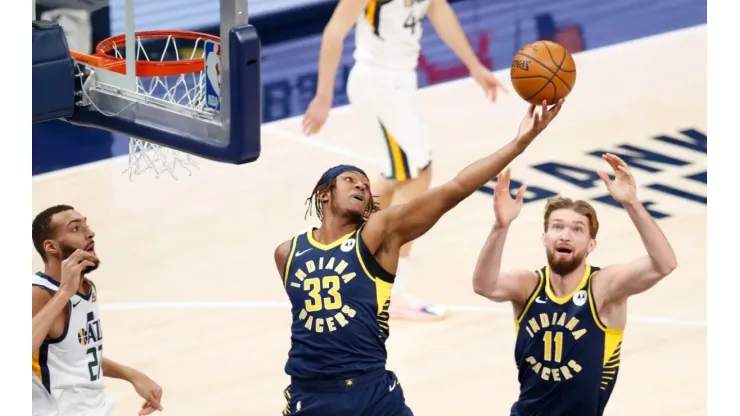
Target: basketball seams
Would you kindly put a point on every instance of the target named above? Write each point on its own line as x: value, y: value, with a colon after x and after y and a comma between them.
x: 560, y: 66
x: 544, y: 66
x: 535, y: 76
x: 531, y: 77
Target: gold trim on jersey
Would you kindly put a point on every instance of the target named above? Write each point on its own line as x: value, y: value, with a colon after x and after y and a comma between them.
x: 316, y: 244
x: 532, y: 297
x: 399, y: 163
x: 40, y: 367
x: 372, y: 14
x: 612, y: 341
x: 293, y: 245
x: 382, y: 288
x: 36, y: 366
x: 563, y: 300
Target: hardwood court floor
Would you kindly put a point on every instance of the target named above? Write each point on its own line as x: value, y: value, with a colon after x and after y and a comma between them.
x: 191, y: 297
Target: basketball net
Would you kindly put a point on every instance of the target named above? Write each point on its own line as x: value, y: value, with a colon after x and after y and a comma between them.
x: 183, y: 90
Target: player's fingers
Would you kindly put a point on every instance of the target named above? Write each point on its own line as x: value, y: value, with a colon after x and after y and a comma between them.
x: 505, y: 176
x: 610, y: 159
x: 618, y: 160
x: 555, y: 110
x: 520, y: 194
x: 154, y: 403
x: 530, y: 111
x: 604, y: 177
x: 85, y: 264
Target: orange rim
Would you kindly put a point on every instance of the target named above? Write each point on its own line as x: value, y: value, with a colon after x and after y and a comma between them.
x: 101, y: 59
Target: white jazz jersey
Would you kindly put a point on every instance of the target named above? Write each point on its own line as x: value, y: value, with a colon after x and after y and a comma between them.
x: 388, y: 34
x: 70, y: 367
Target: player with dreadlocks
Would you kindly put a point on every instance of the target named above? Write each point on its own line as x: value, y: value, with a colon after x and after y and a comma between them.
x: 339, y: 278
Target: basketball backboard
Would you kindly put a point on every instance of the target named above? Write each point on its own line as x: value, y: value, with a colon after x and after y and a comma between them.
x: 205, y: 103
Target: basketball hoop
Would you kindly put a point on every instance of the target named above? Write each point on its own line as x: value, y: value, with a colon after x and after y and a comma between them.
x: 182, y: 75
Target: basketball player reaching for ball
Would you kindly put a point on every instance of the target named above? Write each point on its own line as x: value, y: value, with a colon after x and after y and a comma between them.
x: 68, y: 351
x: 569, y: 315
x: 382, y: 85
x: 339, y: 278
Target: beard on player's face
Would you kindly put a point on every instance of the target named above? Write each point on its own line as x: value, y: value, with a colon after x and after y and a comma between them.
x: 562, y: 264
x: 66, y: 250
x: 345, y: 207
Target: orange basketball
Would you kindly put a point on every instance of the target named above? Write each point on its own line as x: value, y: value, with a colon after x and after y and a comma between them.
x: 543, y: 70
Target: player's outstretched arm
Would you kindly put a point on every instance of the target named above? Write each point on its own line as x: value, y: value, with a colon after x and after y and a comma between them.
x: 448, y: 27
x: 332, y: 43
x: 403, y: 223
x: 45, y: 307
x: 144, y: 386
x: 488, y: 280
x: 618, y: 282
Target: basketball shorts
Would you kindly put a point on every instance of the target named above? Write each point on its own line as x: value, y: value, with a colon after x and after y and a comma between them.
x: 387, y: 100
x: 373, y: 394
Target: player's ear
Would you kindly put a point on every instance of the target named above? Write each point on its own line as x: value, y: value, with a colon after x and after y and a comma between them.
x: 544, y: 242
x: 324, y: 196
x: 591, y: 246
x: 51, y: 248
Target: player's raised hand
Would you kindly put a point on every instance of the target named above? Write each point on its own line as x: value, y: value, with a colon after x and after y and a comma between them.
x: 623, y: 188
x: 536, y: 121
x: 316, y: 114
x: 506, y: 208
x: 484, y: 77
x: 72, y: 268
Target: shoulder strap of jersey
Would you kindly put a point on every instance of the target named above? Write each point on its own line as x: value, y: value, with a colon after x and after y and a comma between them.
x: 532, y: 296
x: 42, y: 280
x: 289, y: 259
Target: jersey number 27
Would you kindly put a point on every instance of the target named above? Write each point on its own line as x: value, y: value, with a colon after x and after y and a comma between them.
x: 95, y: 363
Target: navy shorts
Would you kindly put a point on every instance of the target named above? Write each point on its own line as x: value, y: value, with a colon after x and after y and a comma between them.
x: 374, y: 394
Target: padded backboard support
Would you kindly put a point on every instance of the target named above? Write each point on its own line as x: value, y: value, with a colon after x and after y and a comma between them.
x: 235, y: 140
x: 228, y: 132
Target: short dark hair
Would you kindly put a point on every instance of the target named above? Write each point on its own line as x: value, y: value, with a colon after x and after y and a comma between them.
x: 41, y: 229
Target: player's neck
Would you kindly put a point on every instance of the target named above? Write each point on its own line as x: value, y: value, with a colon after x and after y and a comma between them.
x: 565, y: 284
x: 332, y: 230
x: 55, y: 272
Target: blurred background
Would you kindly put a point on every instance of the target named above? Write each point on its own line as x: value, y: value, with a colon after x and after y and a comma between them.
x: 291, y: 35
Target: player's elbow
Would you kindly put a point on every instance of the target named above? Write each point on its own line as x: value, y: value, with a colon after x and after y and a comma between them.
x: 485, y: 289
x: 667, y: 267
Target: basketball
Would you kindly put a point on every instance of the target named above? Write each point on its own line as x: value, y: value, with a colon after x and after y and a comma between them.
x: 543, y: 70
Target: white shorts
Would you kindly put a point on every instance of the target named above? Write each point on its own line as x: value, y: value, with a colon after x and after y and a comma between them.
x: 389, y: 97
x: 42, y: 403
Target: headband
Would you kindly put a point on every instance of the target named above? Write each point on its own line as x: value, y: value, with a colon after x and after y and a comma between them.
x: 338, y: 170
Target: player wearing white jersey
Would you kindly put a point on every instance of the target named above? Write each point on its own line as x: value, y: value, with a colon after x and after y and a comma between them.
x: 382, y: 85
x: 43, y: 403
x: 68, y: 358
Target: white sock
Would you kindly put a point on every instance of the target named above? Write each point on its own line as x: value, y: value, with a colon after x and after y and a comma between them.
x: 402, y: 277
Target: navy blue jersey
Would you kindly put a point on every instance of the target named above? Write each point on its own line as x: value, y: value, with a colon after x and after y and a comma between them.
x: 567, y: 358
x: 339, y: 298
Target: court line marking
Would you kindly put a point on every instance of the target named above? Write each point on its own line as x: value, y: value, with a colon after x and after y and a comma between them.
x: 316, y: 143
x: 273, y: 125
x: 138, y: 306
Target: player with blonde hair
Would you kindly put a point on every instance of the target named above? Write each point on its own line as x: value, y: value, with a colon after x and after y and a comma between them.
x: 569, y: 315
